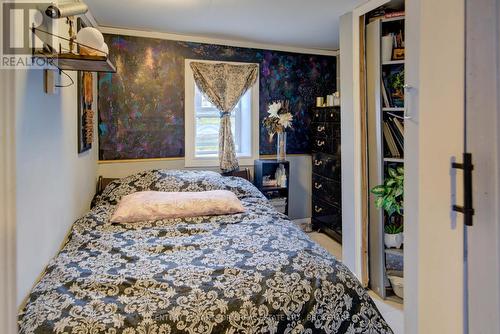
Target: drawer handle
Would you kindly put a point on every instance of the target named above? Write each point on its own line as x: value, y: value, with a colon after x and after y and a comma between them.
x: 318, y: 162
x: 317, y: 209
x: 318, y: 185
x: 320, y: 143
x: 321, y: 128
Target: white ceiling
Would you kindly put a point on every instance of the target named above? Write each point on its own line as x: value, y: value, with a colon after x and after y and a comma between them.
x: 295, y: 23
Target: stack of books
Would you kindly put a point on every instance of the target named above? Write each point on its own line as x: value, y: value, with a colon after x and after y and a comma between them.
x: 394, y: 137
x: 279, y: 204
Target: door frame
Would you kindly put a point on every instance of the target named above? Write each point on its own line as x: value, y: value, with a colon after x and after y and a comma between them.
x: 351, y: 108
x: 483, y: 135
x: 433, y: 266
x: 8, y: 308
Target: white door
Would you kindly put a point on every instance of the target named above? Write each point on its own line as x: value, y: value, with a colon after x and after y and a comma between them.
x: 434, y: 235
x: 482, y: 140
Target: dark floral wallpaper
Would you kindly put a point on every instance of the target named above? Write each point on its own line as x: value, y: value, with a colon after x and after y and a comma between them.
x: 141, y: 107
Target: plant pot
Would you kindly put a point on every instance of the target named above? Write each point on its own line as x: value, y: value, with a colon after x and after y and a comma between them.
x: 393, y: 240
x: 397, y: 283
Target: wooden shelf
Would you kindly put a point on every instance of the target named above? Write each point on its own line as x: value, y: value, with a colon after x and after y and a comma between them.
x: 391, y: 296
x: 398, y: 160
x: 392, y: 19
x: 73, y: 62
x: 395, y: 251
x: 393, y: 109
x: 393, y: 62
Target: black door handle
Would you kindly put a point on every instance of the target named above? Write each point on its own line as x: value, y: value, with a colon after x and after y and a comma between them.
x: 467, y: 210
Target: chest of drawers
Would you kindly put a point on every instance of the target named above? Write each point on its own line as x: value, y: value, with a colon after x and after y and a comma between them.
x: 326, y: 177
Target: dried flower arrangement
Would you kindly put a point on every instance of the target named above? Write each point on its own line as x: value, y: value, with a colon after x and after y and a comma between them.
x: 279, y: 118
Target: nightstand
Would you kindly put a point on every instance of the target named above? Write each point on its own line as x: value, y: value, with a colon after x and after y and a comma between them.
x: 265, y: 181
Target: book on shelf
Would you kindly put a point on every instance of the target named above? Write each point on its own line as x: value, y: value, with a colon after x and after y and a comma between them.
x: 391, y: 145
x: 394, y: 14
x: 398, y: 137
x: 386, y: 87
x: 387, y: 103
x: 400, y: 126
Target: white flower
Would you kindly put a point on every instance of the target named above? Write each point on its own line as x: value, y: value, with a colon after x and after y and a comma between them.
x: 286, y: 120
x: 274, y: 108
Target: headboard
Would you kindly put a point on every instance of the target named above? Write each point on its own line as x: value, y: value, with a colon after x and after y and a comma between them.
x: 102, y: 182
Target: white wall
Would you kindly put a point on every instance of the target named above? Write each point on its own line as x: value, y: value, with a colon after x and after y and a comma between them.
x: 54, y: 184
x: 300, y: 180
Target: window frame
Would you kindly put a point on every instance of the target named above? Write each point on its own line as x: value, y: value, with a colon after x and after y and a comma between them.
x: 190, y: 158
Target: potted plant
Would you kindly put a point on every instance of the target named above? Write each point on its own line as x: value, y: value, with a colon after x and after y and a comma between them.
x: 393, y: 236
x: 389, y: 197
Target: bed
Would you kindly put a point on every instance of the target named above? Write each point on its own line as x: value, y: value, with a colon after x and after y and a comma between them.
x: 253, y: 272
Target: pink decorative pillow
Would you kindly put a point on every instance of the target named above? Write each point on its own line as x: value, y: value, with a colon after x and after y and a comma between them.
x: 154, y: 205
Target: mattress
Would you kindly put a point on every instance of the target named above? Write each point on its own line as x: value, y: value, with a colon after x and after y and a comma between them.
x: 253, y: 272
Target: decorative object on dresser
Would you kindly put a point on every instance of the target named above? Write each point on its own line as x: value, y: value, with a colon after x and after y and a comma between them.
x: 272, y: 178
x: 278, y: 120
x: 326, y: 181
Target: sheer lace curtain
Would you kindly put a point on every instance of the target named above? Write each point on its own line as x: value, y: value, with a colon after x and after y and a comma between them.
x: 224, y: 84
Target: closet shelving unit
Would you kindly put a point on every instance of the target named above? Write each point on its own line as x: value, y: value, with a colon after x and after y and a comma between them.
x: 379, y: 157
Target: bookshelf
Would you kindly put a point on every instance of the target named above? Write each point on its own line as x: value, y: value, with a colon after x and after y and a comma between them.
x: 385, y: 127
x: 393, y: 62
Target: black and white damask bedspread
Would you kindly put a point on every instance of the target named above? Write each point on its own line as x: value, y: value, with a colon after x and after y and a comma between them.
x: 254, y: 272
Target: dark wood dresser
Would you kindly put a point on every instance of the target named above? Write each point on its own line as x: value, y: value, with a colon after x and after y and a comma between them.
x: 326, y: 177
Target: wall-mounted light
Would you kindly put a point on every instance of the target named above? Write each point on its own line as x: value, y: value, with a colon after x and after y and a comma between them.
x: 66, y: 10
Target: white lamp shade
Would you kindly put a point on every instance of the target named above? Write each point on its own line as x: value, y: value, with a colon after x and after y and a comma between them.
x: 104, y: 49
x: 90, y: 37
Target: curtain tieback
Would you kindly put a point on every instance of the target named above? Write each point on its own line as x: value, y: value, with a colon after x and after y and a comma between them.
x: 224, y: 114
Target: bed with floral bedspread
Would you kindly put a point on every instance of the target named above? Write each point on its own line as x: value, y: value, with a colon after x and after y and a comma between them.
x: 254, y: 272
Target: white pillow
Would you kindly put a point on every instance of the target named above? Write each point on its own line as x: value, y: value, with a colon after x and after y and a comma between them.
x: 155, y: 205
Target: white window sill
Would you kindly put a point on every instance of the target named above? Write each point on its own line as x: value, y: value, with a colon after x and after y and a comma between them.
x: 210, y: 162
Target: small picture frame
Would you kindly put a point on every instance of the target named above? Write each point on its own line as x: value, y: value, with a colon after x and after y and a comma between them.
x: 398, y: 54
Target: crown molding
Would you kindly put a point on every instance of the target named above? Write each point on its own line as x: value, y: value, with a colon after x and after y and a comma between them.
x: 217, y: 41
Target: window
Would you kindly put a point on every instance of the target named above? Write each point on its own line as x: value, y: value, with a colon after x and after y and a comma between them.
x: 202, y: 123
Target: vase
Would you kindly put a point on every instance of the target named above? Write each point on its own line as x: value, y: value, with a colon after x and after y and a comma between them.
x: 393, y: 240
x: 281, y: 146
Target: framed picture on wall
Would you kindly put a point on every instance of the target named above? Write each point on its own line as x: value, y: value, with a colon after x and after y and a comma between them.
x: 85, y: 112
x: 85, y: 83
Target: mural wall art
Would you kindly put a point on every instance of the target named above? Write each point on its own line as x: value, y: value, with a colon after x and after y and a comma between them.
x: 141, y: 107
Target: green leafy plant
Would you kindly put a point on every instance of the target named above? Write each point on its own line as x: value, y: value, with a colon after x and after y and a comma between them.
x: 393, y: 228
x: 389, y: 196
